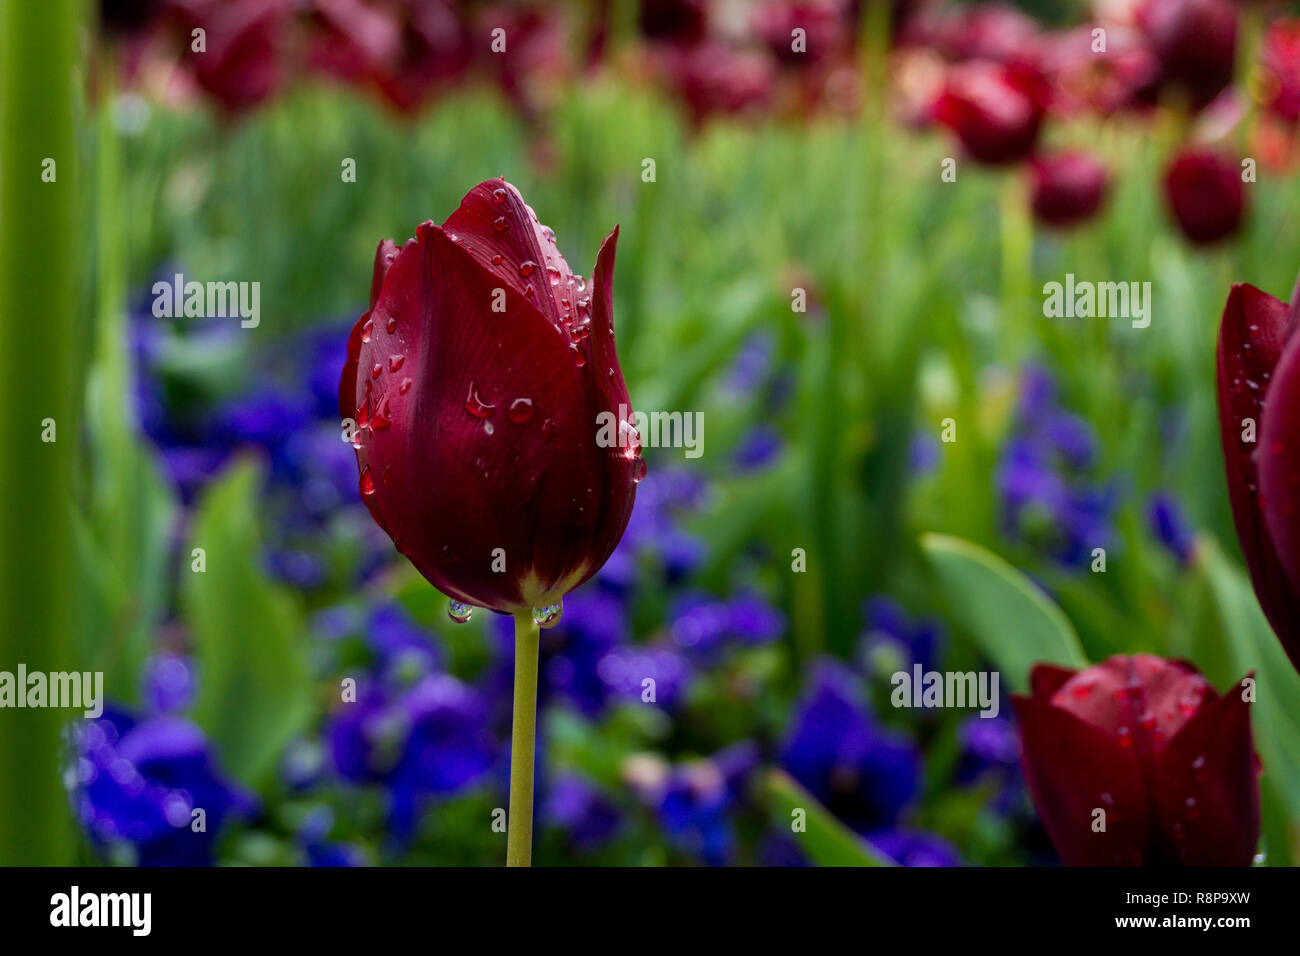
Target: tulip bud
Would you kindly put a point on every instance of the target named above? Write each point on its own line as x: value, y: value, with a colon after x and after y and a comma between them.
x: 481, y: 380
x: 1205, y: 195
x: 1067, y: 188
x: 995, y: 109
x: 1137, y: 761
x: 1196, y: 43
x: 1259, y: 413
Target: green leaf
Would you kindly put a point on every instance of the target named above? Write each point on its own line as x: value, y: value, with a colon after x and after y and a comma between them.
x: 1011, y: 619
x: 249, y: 633
x: 827, y: 841
x: 1252, y: 646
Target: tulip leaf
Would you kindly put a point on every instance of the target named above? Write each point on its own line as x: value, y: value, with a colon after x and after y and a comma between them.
x: 1009, y: 616
x: 825, y: 840
x: 249, y: 634
x: 1252, y: 646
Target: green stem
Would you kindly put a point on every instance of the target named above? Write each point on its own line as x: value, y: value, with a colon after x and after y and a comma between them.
x: 41, y: 240
x: 523, y: 743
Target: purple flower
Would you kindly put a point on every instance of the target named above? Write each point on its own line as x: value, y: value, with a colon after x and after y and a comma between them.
x: 141, y: 783
x: 892, y: 640
x: 581, y: 812
x: 1170, y: 526
x: 168, y: 683
x: 915, y: 848
x: 758, y: 448
x: 864, y: 773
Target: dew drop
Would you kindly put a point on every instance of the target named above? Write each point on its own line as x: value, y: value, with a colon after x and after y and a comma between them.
x: 498, y: 259
x: 374, y: 372
x: 405, y: 386
x: 548, y: 616
x: 521, y: 410
x: 499, y: 195
x: 391, y: 325
x: 367, y: 482
x: 527, y: 268
x: 499, y: 223
x: 395, y: 362
x: 554, y: 275
x: 459, y: 611
x: 638, y: 470
x: 579, y: 356
x: 366, y: 330
x: 476, y: 406
x: 548, y: 430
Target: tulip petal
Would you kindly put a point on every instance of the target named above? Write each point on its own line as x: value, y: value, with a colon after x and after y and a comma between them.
x: 1252, y: 337
x: 1278, y: 461
x: 1074, y: 769
x: 1046, y: 679
x: 1207, y: 789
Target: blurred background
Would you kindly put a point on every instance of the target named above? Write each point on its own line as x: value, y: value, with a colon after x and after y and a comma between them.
x: 918, y: 171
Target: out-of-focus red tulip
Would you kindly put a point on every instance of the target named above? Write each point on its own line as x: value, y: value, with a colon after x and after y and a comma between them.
x: 1067, y: 188
x: 242, y: 60
x: 1259, y: 421
x: 1205, y: 195
x: 352, y: 39
x: 982, y: 31
x: 995, y: 109
x: 824, y: 23
x: 495, y: 442
x: 1280, y: 69
x: 674, y: 21
x: 713, y: 78
x: 1148, y: 741
x: 1196, y: 41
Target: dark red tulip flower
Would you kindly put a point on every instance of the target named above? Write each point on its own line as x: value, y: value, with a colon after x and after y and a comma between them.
x: 243, y: 60
x: 1196, y: 43
x: 1205, y: 195
x: 1138, y: 762
x: 479, y: 380
x: 1068, y: 188
x: 995, y: 109
x: 1259, y: 421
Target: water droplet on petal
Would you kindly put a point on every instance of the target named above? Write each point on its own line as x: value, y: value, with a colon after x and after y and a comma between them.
x: 548, y: 616
x: 638, y: 470
x: 499, y: 223
x: 374, y: 372
x: 395, y: 362
x: 499, y: 195
x: 579, y: 356
x: 527, y: 268
x: 498, y: 259
x: 367, y: 329
x: 367, y: 482
x: 521, y: 410
x: 554, y: 275
x: 548, y: 430
x: 405, y: 386
x: 459, y: 612
x: 476, y: 406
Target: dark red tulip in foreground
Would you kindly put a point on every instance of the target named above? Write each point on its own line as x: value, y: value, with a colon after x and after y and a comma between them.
x: 1259, y: 421
x: 996, y: 110
x: 476, y: 380
x: 493, y: 430
x: 1067, y: 188
x: 1137, y: 761
x: 1205, y: 195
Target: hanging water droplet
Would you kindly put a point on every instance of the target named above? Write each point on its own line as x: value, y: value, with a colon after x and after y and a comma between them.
x: 499, y: 195
x: 367, y: 482
x: 638, y: 470
x: 548, y: 616
x: 395, y: 362
x: 579, y: 356
x: 476, y: 406
x: 527, y: 268
x: 553, y: 274
x: 548, y: 232
x: 459, y: 612
x: 521, y: 410
x: 366, y: 329
x: 582, y: 283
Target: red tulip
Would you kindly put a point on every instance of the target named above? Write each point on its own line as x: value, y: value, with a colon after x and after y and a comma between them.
x: 242, y: 60
x: 1259, y: 418
x: 1196, y: 42
x: 1067, y: 188
x: 1148, y: 741
x: 995, y: 109
x: 481, y: 379
x: 1205, y: 195
x: 1281, y: 69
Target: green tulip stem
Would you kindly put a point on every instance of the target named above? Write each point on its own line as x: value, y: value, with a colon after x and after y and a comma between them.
x: 523, y: 743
